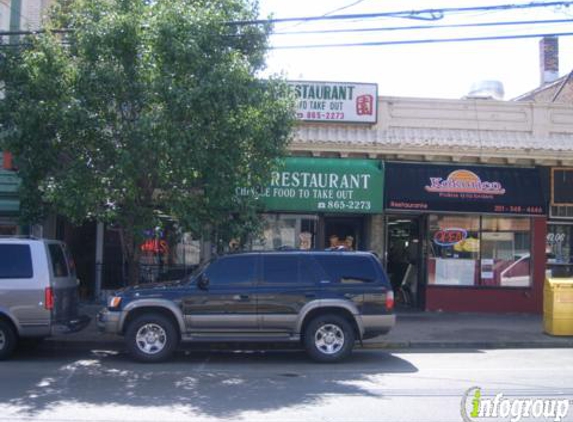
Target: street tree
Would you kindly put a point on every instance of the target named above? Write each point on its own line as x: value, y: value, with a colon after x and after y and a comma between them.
x: 127, y: 111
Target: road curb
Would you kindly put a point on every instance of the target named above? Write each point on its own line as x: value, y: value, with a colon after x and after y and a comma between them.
x: 470, y: 345
x: 394, y: 345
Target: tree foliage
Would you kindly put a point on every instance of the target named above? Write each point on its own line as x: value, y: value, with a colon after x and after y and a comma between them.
x: 144, y: 108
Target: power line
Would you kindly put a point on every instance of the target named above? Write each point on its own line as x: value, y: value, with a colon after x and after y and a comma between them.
x: 332, y: 11
x: 416, y: 27
x: 35, y: 32
x: 348, y: 6
x: 422, y: 41
x: 432, y: 14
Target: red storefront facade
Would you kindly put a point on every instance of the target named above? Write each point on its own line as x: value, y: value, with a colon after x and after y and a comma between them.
x: 480, y: 239
x: 495, y: 300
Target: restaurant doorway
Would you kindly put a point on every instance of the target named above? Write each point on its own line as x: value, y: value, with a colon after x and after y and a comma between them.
x: 344, y: 232
x: 405, y: 261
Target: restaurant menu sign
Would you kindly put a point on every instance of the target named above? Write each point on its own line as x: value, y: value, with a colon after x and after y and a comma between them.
x: 332, y: 102
x: 328, y: 185
x: 450, y: 188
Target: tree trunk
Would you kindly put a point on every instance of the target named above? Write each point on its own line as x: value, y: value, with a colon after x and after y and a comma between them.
x: 132, y: 255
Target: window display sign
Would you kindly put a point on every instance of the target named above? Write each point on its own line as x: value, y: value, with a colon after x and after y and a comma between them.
x: 449, y: 188
x: 329, y: 185
x: 449, y: 237
x: 332, y: 102
x: 455, y: 272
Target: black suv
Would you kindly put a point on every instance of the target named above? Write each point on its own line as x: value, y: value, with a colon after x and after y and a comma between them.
x: 326, y: 300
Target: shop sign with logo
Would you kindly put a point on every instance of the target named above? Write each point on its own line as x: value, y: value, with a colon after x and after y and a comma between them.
x: 329, y: 185
x: 342, y: 102
x: 448, y: 188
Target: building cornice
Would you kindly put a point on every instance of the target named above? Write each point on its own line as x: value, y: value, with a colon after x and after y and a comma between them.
x: 450, y: 130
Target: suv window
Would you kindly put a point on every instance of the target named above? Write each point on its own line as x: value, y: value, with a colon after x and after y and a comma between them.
x: 59, y: 264
x: 280, y: 269
x: 15, y: 261
x: 348, y: 269
x: 232, y: 270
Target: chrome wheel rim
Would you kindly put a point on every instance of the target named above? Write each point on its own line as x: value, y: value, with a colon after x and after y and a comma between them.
x: 151, y: 338
x: 329, y: 339
x: 2, y: 340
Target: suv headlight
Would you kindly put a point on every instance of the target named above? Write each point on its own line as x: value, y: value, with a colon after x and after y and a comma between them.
x: 114, y: 302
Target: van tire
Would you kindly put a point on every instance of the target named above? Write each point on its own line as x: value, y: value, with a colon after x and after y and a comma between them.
x: 329, y: 338
x: 151, y: 338
x: 8, y: 340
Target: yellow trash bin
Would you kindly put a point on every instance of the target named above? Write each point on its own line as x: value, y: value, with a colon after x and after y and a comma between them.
x: 558, y: 306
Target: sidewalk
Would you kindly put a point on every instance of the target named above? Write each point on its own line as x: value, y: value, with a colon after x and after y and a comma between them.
x: 468, y: 330
x: 412, y: 330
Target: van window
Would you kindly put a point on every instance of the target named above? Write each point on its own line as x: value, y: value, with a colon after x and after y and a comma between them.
x: 15, y: 261
x: 71, y: 262
x: 348, y: 269
x: 232, y: 270
x: 59, y: 264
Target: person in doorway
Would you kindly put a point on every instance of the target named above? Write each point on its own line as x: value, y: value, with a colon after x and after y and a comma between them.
x: 349, y: 243
x: 334, y: 242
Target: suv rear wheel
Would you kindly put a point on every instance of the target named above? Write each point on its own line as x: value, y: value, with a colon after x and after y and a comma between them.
x: 151, y: 338
x: 8, y: 340
x: 329, y: 338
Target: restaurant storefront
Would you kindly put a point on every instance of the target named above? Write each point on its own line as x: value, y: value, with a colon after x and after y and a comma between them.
x: 479, y: 245
x: 317, y: 203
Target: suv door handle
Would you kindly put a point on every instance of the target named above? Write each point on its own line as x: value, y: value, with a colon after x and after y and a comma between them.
x: 241, y: 297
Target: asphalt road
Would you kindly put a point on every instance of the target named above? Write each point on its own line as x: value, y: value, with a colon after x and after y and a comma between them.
x: 418, y: 385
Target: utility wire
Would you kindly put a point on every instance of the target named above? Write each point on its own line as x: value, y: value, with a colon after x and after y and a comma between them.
x: 422, y: 41
x: 433, y: 14
x: 348, y: 6
x: 416, y: 27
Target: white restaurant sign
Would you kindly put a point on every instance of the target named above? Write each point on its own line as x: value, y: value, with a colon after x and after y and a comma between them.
x: 335, y: 101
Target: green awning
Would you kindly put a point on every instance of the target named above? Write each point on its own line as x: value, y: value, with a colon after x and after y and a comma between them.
x: 330, y: 185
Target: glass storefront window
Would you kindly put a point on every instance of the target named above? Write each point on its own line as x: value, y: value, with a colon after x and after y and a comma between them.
x: 560, y: 250
x: 287, y: 231
x: 187, y: 251
x: 454, y: 250
x: 479, y: 251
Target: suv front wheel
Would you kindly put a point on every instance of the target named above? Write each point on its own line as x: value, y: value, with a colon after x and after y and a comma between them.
x: 151, y: 338
x: 329, y: 338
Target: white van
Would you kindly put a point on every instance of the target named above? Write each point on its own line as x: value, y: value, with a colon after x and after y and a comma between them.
x: 38, y: 291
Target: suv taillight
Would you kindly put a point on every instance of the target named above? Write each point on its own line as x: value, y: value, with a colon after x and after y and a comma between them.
x: 49, y: 298
x: 390, y: 300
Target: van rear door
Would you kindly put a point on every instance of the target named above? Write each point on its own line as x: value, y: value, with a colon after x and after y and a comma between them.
x: 64, y: 284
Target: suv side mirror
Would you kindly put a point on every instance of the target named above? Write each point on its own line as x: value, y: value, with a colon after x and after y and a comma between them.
x: 203, y: 282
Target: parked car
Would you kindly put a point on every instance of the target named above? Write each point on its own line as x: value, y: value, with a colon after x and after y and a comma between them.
x: 325, y: 300
x: 38, y: 291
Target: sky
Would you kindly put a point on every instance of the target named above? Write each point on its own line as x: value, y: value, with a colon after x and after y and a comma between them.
x: 437, y: 70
